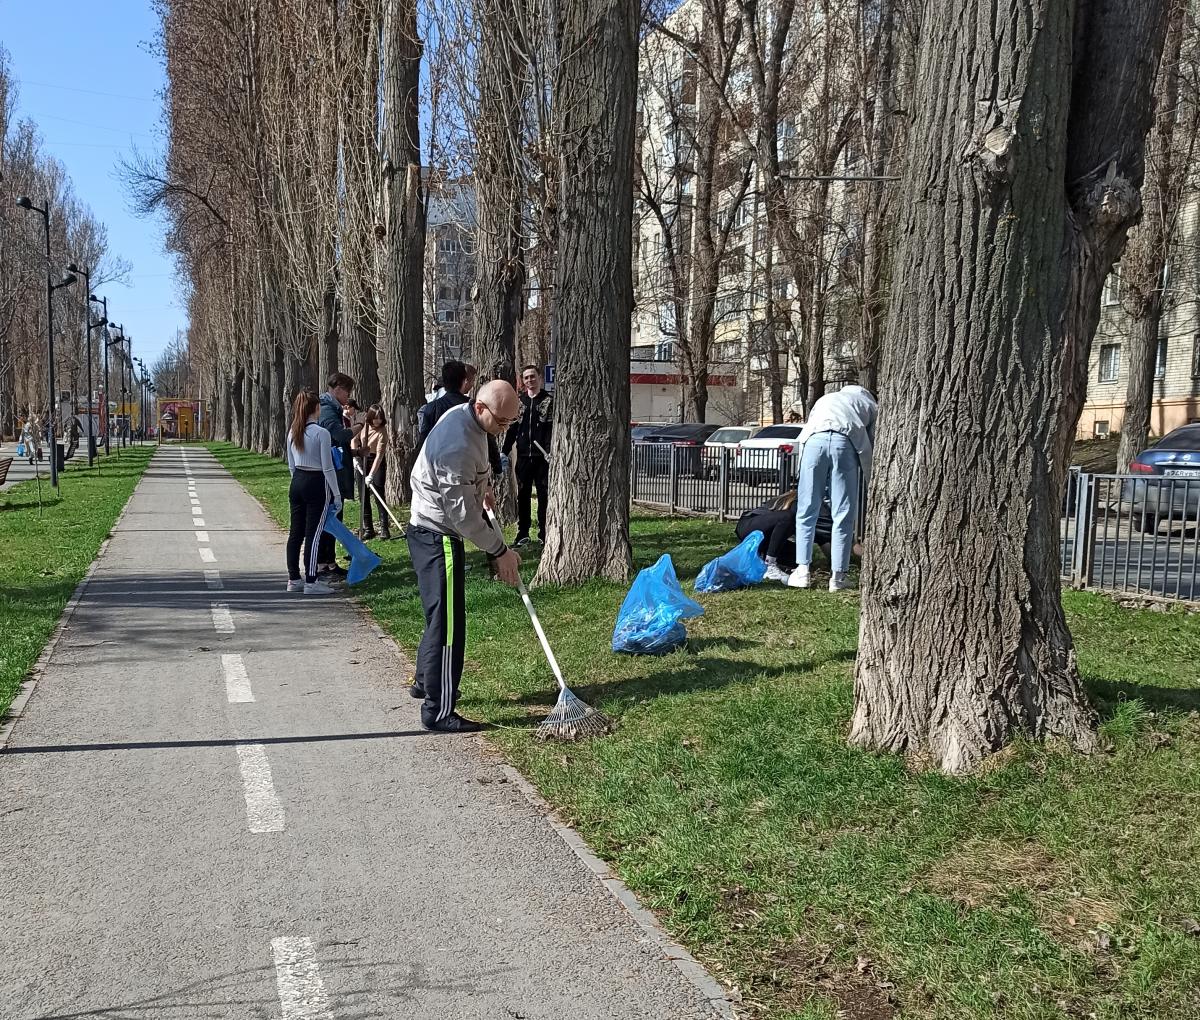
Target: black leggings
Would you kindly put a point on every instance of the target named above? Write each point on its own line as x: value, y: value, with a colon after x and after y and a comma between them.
x: 309, y: 497
x: 367, y: 499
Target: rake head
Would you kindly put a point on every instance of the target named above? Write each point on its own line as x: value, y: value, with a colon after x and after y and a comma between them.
x: 573, y: 720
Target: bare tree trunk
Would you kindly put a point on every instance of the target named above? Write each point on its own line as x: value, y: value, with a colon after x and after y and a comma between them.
x: 500, y: 265
x: 402, y: 337
x: 1142, y: 354
x: 595, y: 98
x: 1143, y: 268
x: 963, y: 641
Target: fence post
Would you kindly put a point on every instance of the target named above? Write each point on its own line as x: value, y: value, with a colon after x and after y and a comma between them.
x: 673, y: 476
x: 1085, y: 523
x: 723, y: 486
x: 633, y: 472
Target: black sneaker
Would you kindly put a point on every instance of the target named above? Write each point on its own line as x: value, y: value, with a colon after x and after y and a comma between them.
x: 417, y: 691
x: 453, y: 723
x: 335, y: 571
x: 522, y: 542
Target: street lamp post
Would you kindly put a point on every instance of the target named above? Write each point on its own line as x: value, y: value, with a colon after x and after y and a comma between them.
x: 87, y: 319
x: 68, y: 279
x: 116, y: 341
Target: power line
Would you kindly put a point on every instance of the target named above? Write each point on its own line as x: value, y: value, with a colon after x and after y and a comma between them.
x: 94, y: 127
x: 86, y: 92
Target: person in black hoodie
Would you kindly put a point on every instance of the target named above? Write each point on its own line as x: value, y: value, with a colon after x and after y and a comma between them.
x: 531, y: 436
x: 333, y: 402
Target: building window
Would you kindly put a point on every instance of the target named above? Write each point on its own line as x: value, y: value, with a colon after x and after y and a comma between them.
x: 781, y: 288
x: 1110, y: 362
x: 1099, y: 430
x: 741, y: 218
x: 1160, y: 360
x: 1112, y: 287
x: 664, y: 350
x: 762, y: 240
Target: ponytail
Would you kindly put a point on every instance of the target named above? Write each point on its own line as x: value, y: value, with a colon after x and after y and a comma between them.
x: 302, y: 408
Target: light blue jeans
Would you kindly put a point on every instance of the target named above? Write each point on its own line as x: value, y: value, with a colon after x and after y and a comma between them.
x: 829, y: 462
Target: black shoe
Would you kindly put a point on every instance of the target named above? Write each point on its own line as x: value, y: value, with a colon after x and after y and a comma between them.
x: 366, y: 536
x: 333, y: 570
x: 453, y: 723
x: 522, y: 542
x: 417, y: 691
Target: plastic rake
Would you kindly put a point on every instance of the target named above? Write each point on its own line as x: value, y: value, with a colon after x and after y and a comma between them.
x: 571, y: 719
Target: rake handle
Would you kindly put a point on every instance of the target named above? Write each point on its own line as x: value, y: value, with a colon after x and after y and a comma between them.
x: 533, y: 617
x: 382, y: 502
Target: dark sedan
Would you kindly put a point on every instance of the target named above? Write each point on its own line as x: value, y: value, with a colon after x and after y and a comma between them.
x: 653, y: 452
x: 1166, y: 482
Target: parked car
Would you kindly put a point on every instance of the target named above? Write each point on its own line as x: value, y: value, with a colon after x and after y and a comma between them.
x: 1171, y: 489
x: 654, y: 456
x: 640, y: 430
x: 758, y: 458
x: 726, y: 438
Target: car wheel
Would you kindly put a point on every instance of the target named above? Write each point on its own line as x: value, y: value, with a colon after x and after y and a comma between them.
x: 1145, y: 523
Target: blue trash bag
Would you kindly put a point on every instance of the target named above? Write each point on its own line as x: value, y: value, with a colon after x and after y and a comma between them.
x: 649, y: 620
x: 362, y: 560
x: 738, y: 568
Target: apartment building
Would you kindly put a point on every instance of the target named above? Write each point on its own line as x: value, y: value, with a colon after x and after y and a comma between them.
x: 1177, y: 376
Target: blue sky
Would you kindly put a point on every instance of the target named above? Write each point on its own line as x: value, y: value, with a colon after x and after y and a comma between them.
x: 62, y: 53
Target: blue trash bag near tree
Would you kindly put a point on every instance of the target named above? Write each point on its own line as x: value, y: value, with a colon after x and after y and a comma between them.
x: 738, y: 568
x: 649, y: 622
x: 362, y: 560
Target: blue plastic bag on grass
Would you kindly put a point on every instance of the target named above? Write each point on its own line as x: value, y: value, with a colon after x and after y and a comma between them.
x: 362, y: 560
x: 649, y: 620
x: 738, y: 568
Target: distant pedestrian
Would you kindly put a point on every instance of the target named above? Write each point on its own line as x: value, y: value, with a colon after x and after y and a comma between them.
x: 456, y: 383
x: 372, y: 444
x: 314, y: 490
x: 836, y: 446
x: 333, y: 404
x: 531, y: 437
x: 450, y: 492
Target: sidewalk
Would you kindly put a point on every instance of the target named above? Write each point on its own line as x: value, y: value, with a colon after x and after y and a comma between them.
x: 219, y: 803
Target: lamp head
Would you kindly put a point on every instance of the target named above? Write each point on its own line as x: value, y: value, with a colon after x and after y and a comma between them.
x: 68, y: 279
x: 73, y: 268
x: 24, y: 202
x: 91, y: 297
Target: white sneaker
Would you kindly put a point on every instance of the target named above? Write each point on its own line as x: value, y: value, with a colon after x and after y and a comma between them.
x: 296, y: 585
x: 317, y: 588
x: 839, y: 582
x: 799, y: 578
x: 775, y: 574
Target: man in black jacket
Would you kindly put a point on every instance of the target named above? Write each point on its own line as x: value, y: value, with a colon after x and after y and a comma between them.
x: 457, y: 380
x: 531, y: 436
x: 333, y: 403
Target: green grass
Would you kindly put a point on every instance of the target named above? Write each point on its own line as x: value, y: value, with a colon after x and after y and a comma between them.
x: 816, y: 878
x: 44, y: 555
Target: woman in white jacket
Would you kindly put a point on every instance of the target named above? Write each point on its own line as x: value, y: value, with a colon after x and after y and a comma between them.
x: 836, y: 445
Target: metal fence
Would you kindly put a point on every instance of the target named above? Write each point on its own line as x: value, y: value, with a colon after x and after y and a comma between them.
x: 1128, y: 534
x: 1132, y: 534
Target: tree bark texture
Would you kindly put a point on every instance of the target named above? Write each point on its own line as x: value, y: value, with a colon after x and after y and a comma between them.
x: 500, y: 267
x: 595, y: 97
x: 1022, y: 180
x: 402, y: 335
x: 1143, y: 267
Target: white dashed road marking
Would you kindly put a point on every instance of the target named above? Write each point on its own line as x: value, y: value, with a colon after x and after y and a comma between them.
x: 264, y: 813
x: 201, y: 536
x: 237, y: 681
x: 222, y: 618
x: 301, y: 991
x: 213, y: 579
x: 198, y: 522
x: 206, y: 554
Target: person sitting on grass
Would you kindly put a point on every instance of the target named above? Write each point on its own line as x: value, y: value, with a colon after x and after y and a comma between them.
x: 776, y: 519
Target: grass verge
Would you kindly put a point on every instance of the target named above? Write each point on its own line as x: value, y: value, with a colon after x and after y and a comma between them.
x: 822, y: 882
x: 44, y: 554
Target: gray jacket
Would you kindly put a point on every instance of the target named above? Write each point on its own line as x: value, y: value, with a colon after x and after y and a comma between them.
x: 331, y: 421
x: 450, y: 478
x: 851, y: 412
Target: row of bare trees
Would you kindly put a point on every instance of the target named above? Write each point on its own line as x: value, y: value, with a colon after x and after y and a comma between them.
x: 75, y: 237
x: 298, y: 187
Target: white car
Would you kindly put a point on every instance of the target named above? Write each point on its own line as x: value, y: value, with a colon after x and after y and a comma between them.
x: 758, y: 458
x: 726, y: 438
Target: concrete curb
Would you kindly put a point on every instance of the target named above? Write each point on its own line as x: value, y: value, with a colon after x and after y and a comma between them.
x: 19, y: 703
x: 692, y: 969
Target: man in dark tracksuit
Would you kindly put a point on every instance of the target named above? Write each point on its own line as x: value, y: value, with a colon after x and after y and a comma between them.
x: 457, y: 381
x: 332, y: 402
x: 531, y: 436
x: 450, y: 492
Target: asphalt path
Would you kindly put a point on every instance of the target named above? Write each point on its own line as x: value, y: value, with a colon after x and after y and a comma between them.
x: 219, y: 803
